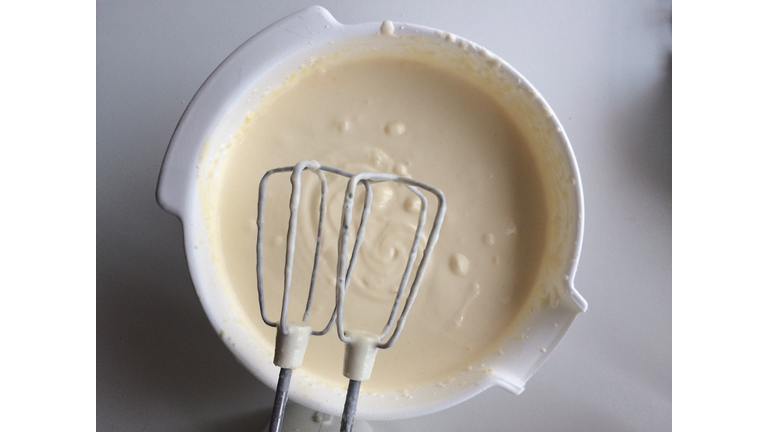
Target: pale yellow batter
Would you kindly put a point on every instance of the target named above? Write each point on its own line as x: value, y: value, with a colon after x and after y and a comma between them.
x: 401, y: 114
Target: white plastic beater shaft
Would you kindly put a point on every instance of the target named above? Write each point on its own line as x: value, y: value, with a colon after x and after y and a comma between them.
x: 290, y: 347
x: 360, y: 354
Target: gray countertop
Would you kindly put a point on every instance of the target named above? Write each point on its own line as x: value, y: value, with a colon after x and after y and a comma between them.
x: 605, y: 69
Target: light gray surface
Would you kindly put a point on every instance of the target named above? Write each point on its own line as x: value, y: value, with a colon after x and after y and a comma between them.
x: 605, y: 69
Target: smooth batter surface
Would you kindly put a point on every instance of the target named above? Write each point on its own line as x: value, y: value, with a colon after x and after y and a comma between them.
x: 392, y: 113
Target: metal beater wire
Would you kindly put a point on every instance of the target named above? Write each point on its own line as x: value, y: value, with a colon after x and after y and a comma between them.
x: 342, y: 280
x: 290, y: 245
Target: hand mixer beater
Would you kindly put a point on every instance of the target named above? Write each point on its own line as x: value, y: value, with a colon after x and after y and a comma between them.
x: 361, y: 346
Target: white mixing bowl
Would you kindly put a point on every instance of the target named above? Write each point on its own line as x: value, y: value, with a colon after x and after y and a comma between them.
x: 263, y: 62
